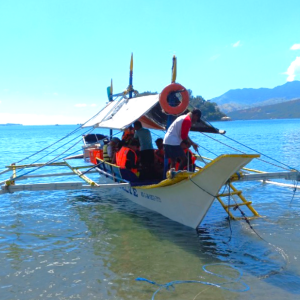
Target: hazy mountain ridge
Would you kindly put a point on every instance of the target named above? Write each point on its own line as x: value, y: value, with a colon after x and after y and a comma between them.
x: 287, y: 110
x: 248, y: 97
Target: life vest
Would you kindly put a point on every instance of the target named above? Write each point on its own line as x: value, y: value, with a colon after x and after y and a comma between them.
x: 106, y: 157
x: 128, y: 134
x: 191, y: 163
x: 121, y: 158
x: 159, y: 154
x: 194, y: 158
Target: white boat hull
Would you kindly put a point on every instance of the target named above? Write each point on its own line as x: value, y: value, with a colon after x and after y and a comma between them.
x: 188, y: 201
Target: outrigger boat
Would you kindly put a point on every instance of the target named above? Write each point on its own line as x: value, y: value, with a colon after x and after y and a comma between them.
x: 185, y: 196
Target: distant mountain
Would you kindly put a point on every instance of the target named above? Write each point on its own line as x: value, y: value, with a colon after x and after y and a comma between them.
x: 247, y: 97
x: 284, y: 110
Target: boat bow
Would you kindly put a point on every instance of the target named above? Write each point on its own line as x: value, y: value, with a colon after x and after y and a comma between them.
x: 188, y: 200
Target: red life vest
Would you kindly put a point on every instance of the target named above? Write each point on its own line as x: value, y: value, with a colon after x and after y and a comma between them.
x: 194, y: 158
x: 121, y: 158
x: 159, y: 154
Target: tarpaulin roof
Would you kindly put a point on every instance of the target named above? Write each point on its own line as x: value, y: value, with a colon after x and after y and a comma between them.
x: 121, y: 114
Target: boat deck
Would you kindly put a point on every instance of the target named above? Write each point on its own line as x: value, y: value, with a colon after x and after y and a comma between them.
x: 124, y: 175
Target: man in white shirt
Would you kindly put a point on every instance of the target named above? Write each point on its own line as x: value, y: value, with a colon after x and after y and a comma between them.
x: 177, y: 132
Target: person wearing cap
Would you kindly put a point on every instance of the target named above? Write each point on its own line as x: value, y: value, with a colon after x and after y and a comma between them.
x: 177, y: 132
x: 109, y: 150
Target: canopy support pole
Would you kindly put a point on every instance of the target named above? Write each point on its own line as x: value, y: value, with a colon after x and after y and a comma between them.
x: 110, y: 100
x: 171, y: 118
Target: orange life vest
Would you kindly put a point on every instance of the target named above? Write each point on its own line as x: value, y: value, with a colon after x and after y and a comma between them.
x: 128, y: 134
x: 121, y: 158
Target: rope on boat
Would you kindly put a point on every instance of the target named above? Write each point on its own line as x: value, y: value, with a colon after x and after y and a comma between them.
x: 285, y: 257
x: 289, y: 168
x: 236, y: 207
x: 201, y: 157
x: 277, y: 249
x: 208, y: 150
x: 89, y: 130
x: 283, y: 254
x: 242, y: 213
x: 56, y: 158
x: 228, y: 215
x: 70, y: 133
x: 221, y: 285
x: 202, y: 188
x: 157, y: 134
x: 47, y: 147
x: 226, y: 136
x: 47, y: 163
x: 294, y: 191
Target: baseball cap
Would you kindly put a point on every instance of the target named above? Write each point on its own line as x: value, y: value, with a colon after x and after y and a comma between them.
x: 197, y: 111
x: 115, y: 140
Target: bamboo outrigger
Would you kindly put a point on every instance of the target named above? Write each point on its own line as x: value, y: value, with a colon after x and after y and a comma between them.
x: 184, y: 197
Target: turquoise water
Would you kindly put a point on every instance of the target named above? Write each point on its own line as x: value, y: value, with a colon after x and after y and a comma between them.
x: 92, y: 245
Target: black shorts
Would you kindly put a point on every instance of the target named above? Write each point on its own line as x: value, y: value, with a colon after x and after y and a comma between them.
x: 147, y: 157
x: 173, y: 151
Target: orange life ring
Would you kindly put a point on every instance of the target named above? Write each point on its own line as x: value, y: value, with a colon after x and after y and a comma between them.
x: 163, y: 99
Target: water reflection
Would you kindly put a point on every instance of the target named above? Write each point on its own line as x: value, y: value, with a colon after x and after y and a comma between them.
x: 136, y: 242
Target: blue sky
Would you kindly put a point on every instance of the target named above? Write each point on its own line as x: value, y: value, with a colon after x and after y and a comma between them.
x: 57, y: 56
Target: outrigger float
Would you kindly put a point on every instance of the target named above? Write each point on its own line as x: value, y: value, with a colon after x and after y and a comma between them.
x: 183, y: 196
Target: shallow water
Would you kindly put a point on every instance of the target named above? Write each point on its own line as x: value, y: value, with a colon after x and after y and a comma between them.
x: 92, y: 245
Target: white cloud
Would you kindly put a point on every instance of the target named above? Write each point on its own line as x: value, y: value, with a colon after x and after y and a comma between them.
x: 236, y: 44
x: 214, y: 57
x: 93, y: 105
x: 295, y: 47
x: 293, y: 70
x: 80, y: 105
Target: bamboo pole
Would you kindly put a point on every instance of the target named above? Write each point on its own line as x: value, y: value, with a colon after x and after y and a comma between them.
x: 36, y: 165
x: 56, y: 186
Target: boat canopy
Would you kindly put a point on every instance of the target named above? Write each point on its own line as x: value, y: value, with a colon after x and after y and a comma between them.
x: 121, y: 114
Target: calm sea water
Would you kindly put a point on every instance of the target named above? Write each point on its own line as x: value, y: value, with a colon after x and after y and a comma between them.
x: 92, y: 245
